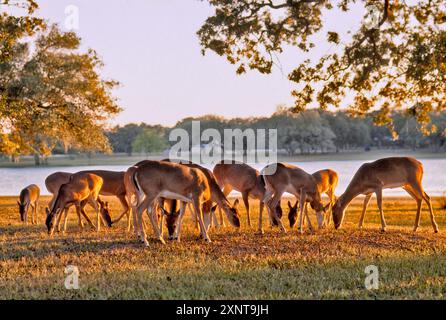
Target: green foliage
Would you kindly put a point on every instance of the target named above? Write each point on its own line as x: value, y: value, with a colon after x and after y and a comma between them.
x: 398, y: 63
x: 122, y: 138
x: 149, y: 140
x: 54, y: 95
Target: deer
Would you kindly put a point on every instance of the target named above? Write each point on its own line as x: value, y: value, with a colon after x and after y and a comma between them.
x: 327, y: 181
x: 113, y: 185
x: 246, y: 180
x: 53, y: 183
x: 160, y: 179
x: 386, y: 173
x: 208, y: 209
x: 82, y: 188
x: 283, y: 177
x: 29, y: 197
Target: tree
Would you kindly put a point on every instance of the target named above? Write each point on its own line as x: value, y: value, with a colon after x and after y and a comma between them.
x: 54, y: 94
x: 149, y: 140
x: 395, y: 62
x: 13, y: 28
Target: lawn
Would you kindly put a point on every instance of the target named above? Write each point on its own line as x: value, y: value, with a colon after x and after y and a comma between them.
x: 327, y: 264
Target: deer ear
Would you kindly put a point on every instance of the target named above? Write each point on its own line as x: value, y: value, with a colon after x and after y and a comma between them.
x: 295, y: 205
x: 106, y: 204
x: 289, y: 204
x: 47, y: 211
x: 236, y: 202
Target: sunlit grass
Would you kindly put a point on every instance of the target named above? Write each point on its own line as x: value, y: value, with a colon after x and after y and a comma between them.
x: 236, y: 265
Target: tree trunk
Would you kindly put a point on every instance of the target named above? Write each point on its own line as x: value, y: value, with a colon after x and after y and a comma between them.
x: 37, y: 159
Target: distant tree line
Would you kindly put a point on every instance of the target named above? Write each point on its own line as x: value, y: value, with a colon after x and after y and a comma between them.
x: 308, y: 132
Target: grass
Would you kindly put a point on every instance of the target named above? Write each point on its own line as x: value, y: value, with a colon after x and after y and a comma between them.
x: 236, y: 265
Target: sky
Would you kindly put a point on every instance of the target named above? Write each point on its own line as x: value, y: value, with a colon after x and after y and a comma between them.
x: 151, y: 48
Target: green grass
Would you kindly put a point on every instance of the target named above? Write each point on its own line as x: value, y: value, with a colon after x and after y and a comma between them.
x: 326, y: 264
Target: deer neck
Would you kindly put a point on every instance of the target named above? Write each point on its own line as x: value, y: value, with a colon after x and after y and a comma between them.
x: 218, y: 197
x: 348, y: 196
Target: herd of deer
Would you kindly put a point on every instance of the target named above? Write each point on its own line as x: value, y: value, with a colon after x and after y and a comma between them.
x: 152, y: 185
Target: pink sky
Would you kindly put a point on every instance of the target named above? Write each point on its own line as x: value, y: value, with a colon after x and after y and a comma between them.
x: 151, y: 47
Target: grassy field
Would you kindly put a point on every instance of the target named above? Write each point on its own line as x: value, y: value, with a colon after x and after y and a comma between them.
x: 328, y: 264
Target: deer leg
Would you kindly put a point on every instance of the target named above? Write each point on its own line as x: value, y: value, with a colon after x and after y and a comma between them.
x: 330, y: 195
x: 66, y: 220
x: 245, y: 197
x: 302, y: 201
x: 427, y: 199
x: 308, y: 217
x: 199, y: 214
x: 58, y: 221
x: 153, y: 221
x: 417, y: 197
x: 82, y: 212
x: 271, y: 206
x: 260, y: 230
x: 215, y: 220
x: 226, y: 191
x: 137, y: 219
x: 125, y: 205
x: 379, y: 200
x: 364, y: 209
x: 79, y: 218
x: 129, y: 220
x: 161, y: 220
x: 32, y: 213
x: 180, y: 221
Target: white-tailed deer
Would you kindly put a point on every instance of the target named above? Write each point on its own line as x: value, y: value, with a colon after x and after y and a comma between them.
x: 374, y: 177
x: 159, y: 179
x: 113, y: 185
x: 246, y: 180
x: 53, y: 183
x: 82, y: 188
x: 281, y: 178
x: 217, y: 196
x: 29, y: 197
x: 327, y: 181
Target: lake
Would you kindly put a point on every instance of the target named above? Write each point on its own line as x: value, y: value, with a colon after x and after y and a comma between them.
x: 434, y: 181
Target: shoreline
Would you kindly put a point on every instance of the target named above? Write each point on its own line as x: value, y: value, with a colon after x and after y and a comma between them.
x: 125, y: 160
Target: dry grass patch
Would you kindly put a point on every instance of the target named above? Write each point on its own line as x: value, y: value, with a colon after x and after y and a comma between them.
x: 236, y: 265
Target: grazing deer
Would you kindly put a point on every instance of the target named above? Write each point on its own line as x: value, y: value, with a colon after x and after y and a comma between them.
x: 82, y: 188
x: 246, y: 180
x: 327, y: 181
x: 53, y: 183
x: 282, y: 177
x: 373, y: 177
x: 161, y: 179
x: 29, y: 197
x: 113, y: 185
x: 208, y: 210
